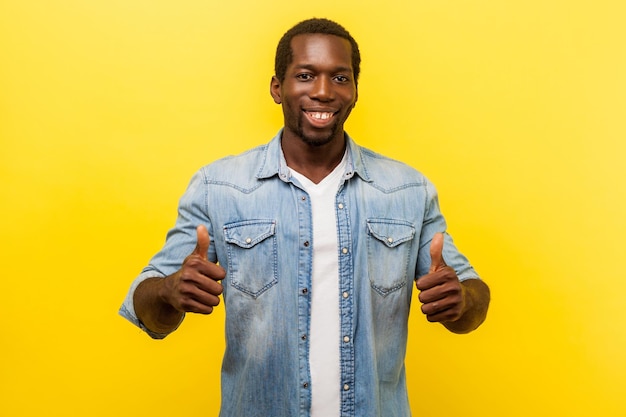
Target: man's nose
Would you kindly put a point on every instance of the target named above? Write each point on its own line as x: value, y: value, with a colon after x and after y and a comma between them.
x: 322, y: 89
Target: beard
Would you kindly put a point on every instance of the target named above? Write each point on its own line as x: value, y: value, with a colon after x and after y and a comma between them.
x: 317, y: 141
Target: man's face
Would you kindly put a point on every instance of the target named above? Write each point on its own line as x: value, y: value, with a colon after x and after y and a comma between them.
x: 319, y: 90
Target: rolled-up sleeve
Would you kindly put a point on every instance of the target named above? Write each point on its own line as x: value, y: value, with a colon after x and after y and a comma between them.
x: 434, y: 222
x: 180, y: 242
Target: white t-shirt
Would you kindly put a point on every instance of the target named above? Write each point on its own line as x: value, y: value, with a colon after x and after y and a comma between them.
x: 324, y: 339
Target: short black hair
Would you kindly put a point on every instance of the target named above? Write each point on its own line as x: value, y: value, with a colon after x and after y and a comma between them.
x: 284, y: 53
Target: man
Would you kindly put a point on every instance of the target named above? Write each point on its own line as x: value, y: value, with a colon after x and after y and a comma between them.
x: 318, y: 243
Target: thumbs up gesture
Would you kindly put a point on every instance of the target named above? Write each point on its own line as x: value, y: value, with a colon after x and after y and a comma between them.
x: 195, y: 287
x: 441, y: 294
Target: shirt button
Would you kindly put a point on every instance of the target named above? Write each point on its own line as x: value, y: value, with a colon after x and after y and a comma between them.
x: 340, y: 205
x: 305, y: 290
x: 303, y: 198
x: 344, y: 250
x: 306, y: 385
x: 346, y: 387
x: 346, y: 339
x: 390, y: 239
x: 303, y: 337
x: 248, y: 240
x: 345, y: 294
x: 306, y: 244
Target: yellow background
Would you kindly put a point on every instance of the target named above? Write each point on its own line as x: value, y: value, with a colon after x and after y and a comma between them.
x: 515, y: 109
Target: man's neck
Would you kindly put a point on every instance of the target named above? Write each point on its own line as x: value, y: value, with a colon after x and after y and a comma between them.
x: 314, y: 162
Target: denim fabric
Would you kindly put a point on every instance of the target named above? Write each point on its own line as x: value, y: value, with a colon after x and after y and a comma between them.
x: 259, y: 219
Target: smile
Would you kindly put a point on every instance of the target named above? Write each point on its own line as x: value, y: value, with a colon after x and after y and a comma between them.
x: 318, y: 115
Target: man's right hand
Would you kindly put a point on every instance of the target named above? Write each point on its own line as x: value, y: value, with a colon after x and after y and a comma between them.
x: 194, y: 287
x: 160, y: 303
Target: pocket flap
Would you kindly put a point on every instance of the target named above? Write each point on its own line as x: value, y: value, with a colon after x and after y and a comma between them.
x: 391, y: 232
x: 248, y: 233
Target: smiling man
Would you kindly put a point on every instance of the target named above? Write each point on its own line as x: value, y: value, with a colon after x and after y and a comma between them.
x: 315, y: 244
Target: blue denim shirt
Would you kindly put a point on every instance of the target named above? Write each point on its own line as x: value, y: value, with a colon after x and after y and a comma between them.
x: 259, y: 219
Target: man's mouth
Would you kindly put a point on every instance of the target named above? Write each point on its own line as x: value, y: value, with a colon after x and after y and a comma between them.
x: 318, y: 115
x: 319, y: 118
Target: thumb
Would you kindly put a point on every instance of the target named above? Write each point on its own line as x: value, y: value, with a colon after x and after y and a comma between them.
x: 436, y: 253
x: 203, y: 242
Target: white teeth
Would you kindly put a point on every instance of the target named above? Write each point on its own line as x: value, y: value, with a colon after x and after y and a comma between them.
x: 321, y: 115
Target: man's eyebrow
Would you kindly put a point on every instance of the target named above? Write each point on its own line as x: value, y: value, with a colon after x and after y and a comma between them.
x: 314, y: 68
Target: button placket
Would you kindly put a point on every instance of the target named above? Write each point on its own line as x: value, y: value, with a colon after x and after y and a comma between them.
x: 304, y: 256
x: 346, y: 302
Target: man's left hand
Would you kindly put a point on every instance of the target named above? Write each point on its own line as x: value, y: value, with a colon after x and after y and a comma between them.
x: 441, y: 293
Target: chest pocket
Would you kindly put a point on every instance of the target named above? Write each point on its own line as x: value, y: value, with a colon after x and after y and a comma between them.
x: 252, y: 255
x: 389, y: 246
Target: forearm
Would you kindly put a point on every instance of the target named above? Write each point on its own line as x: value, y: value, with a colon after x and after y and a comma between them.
x: 157, y: 315
x: 476, y: 297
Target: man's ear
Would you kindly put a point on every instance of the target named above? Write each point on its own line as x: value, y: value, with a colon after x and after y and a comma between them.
x: 275, y: 90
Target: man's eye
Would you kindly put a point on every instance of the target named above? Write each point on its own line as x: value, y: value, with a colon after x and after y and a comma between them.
x: 304, y: 77
x: 342, y: 78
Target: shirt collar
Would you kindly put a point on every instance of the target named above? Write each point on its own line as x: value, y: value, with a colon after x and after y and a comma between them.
x: 273, y: 161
